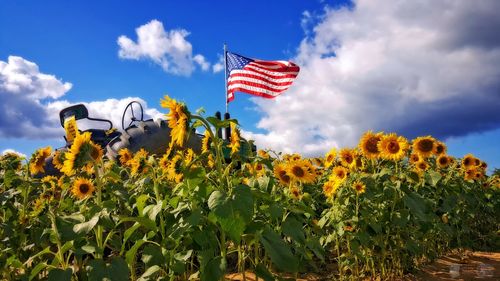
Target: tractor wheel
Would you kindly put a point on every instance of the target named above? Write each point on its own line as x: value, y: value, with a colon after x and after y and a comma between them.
x: 152, y: 136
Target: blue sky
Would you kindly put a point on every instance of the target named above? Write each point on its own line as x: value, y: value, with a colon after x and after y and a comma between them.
x: 380, y: 65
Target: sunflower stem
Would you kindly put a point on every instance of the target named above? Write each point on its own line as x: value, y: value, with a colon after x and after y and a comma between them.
x: 59, y: 254
x: 159, y: 199
x: 217, y: 143
x: 99, y: 232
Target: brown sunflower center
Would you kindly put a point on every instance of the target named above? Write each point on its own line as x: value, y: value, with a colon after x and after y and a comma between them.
x: 348, y: 158
x: 371, y: 145
x: 295, y: 192
x: 358, y: 187
x: 425, y: 145
x: 414, y: 158
x: 298, y: 171
x: 340, y: 174
x: 393, y: 147
x: 84, y: 188
x: 284, y: 177
x: 258, y: 167
x: 467, y: 161
x: 443, y: 161
x: 329, y: 158
x: 422, y: 165
x: 439, y: 148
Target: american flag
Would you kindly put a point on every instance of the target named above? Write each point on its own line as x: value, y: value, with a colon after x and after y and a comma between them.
x: 257, y: 77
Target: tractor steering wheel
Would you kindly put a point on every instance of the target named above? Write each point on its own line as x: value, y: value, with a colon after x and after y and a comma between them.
x: 133, y: 118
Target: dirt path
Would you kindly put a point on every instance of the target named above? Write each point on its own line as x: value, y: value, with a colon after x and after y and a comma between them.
x: 473, y: 266
x: 454, y: 267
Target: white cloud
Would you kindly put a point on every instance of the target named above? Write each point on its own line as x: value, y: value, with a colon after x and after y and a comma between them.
x: 8, y: 150
x: 169, y: 49
x: 219, y: 66
x: 31, y: 101
x: 20, y: 76
x: 416, y: 68
x: 23, y: 91
x: 200, y: 60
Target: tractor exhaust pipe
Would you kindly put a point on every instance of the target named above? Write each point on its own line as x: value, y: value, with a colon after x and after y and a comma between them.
x: 219, y: 131
x: 228, y: 128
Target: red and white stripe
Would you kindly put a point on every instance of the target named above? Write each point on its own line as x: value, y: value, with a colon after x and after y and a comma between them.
x: 262, y: 78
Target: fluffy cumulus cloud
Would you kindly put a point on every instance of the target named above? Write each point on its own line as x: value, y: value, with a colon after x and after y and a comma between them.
x: 411, y: 67
x: 219, y: 65
x: 169, y: 49
x: 31, y: 101
x: 23, y: 91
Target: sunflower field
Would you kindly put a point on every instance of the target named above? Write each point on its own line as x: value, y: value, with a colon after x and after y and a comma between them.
x: 381, y: 209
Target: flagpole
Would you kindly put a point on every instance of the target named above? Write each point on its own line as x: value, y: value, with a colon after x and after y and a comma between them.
x: 225, y: 73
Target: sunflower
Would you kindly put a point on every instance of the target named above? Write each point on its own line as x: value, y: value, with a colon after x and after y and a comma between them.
x: 11, y: 160
x: 206, y: 142
x: 263, y: 154
x: 300, y: 170
x: 330, y: 157
x: 393, y: 147
x: 62, y: 182
x: 339, y: 173
x: 88, y: 169
x: 295, y: 157
x: 478, y: 175
x: 483, y: 165
x: 359, y: 187
x: 368, y: 144
x: 178, y: 120
x: 50, y: 180
x: 360, y: 164
x: 424, y: 146
x: 58, y: 159
x: 443, y: 161
x: 414, y: 158
x: 318, y: 161
x: 211, y: 161
x: 188, y: 156
x: 37, y: 162
x: 469, y: 174
x: 468, y: 161
x: 421, y: 166
x: 347, y: 157
x: 164, y: 163
x: 175, y: 169
x: 235, y: 139
x: 439, y: 148
x: 125, y: 156
x: 259, y: 169
x: 295, y: 193
x: 82, y: 151
x: 281, y: 174
x: 330, y: 188
x: 138, y: 164
x: 82, y: 188
x: 245, y: 181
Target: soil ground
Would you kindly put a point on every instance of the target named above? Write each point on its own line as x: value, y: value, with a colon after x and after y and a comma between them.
x: 453, y: 267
